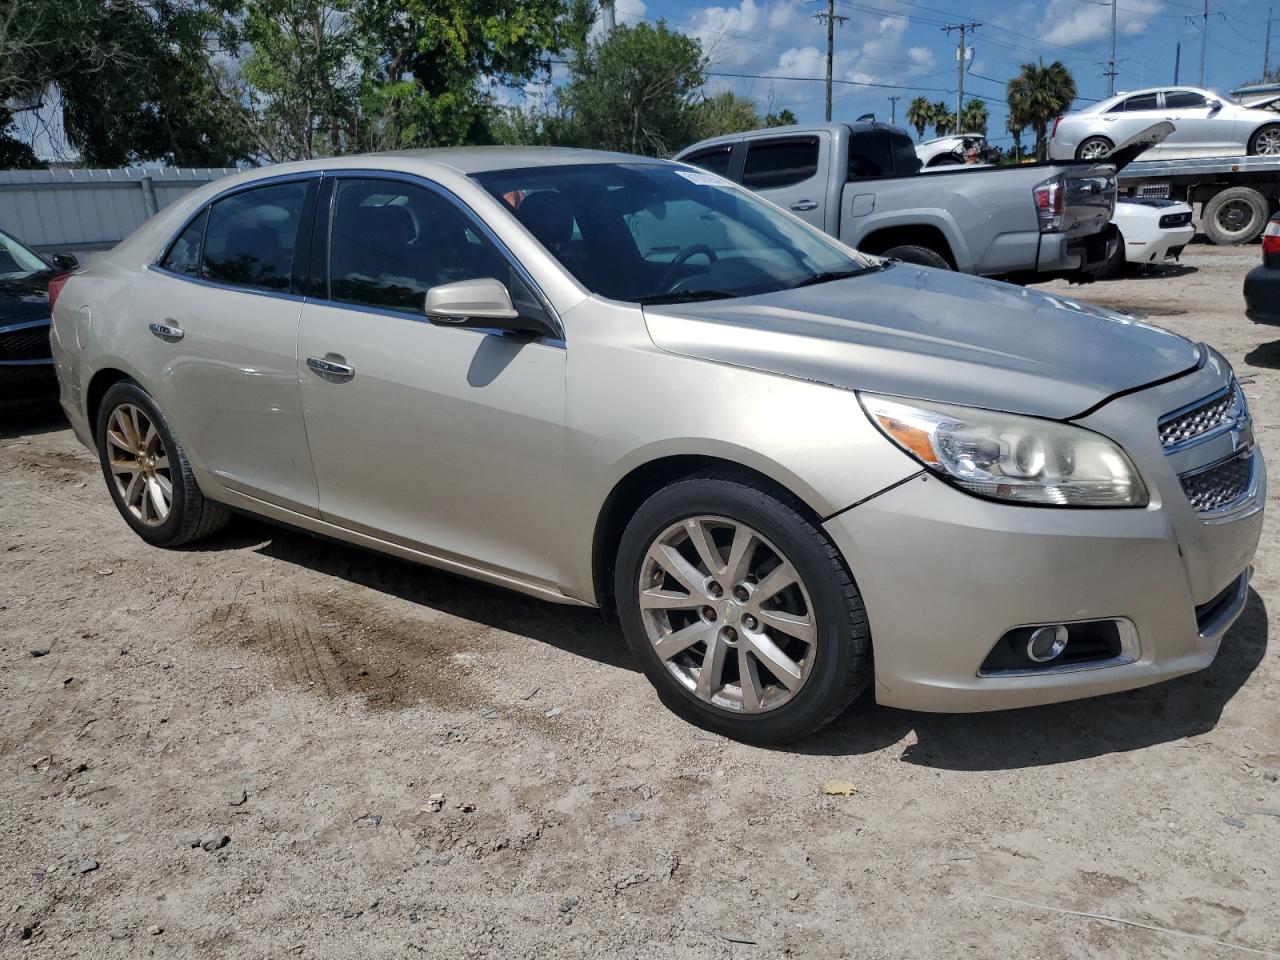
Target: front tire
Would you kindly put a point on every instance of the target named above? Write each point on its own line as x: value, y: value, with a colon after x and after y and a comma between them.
x: 920, y: 256
x: 147, y: 471
x: 1094, y: 148
x: 740, y: 610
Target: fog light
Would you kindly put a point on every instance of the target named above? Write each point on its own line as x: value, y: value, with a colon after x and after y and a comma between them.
x: 1046, y: 643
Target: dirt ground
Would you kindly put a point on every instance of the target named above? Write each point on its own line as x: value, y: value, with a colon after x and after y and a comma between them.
x: 306, y: 700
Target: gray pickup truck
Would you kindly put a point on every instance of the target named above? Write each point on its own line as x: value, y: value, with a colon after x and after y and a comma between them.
x: 861, y: 182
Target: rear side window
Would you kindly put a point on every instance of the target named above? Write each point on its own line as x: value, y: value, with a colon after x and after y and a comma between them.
x: 780, y: 163
x: 716, y: 159
x: 1145, y: 101
x: 252, y: 237
x: 184, y: 256
x: 869, y: 156
x: 905, y: 160
x: 1184, y: 99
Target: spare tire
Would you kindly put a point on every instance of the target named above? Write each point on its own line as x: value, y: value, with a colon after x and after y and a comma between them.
x: 1236, y: 215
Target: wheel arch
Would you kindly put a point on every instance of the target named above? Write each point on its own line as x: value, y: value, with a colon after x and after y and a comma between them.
x: 646, y: 479
x: 101, y: 381
x: 921, y: 235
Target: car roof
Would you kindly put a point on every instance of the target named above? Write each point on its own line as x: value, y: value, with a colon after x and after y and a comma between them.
x: 796, y: 130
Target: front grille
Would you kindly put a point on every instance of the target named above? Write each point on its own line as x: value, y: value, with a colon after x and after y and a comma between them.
x: 1175, y: 220
x: 1213, y: 414
x: 29, y: 344
x: 1220, y: 485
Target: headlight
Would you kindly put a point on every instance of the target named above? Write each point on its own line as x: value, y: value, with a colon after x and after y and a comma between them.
x: 1008, y: 457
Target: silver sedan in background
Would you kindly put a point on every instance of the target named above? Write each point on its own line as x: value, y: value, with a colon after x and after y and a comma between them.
x: 796, y: 473
x: 1206, y: 125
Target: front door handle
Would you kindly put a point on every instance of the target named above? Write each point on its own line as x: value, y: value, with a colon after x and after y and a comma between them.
x: 803, y: 205
x: 331, y: 370
x: 167, y: 332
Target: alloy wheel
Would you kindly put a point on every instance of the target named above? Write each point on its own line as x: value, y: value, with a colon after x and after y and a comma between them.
x: 728, y: 614
x: 1095, y: 150
x: 1268, y: 142
x: 139, y: 464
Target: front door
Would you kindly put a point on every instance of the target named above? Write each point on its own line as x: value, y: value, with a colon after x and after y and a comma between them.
x: 438, y: 438
x: 223, y: 314
x: 791, y: 172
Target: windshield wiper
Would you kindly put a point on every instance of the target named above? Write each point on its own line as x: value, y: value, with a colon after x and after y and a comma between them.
x: 686, y: 296
x: 828, y: 275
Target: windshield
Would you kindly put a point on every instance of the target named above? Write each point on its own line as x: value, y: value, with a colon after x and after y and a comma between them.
x: 652, y: 233
x: 16, y: 261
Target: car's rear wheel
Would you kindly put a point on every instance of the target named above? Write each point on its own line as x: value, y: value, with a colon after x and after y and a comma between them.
x: 740, y: 610
x: 1236, y: 215
x: 147, y: 471
x: 921, y: 256
x: 1266, y: 142
x: 1094, y: 148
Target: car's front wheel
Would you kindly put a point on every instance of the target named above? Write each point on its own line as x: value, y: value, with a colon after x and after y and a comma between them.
x: 148, y: 473
x: 741, y: 610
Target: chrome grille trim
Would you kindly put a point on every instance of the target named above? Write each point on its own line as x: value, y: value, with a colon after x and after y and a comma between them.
x: 1203, y: 420
x: 1221, y: 487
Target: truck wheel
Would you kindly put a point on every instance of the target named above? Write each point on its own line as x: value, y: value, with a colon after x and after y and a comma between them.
x: 923, y: 256
x: 1114, y: 265
x: 1266, y: 142
x: 1094, y: 148
x: 1236, y: 215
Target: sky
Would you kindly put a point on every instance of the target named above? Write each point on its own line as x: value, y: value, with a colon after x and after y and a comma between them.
x: 901, y: 43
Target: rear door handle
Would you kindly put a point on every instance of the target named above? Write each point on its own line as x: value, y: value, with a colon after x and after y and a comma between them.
x: 167, y: 332
x: 803, y: 205
x: 331, y: 370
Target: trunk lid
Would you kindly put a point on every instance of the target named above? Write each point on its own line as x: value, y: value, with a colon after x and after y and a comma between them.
x: 932, y: 335
x: 1090, y: 189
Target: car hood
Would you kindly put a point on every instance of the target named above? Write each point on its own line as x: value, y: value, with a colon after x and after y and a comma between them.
x: 933, y: 335
x: 25, y: 299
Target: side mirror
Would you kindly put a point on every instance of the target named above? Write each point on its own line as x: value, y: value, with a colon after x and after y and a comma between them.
x: 480, y: 303
x: 64, y: 261
x: 1214, y: 105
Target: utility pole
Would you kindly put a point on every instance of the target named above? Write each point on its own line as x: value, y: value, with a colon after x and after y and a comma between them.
x: 1177, y: 63
x: 893, y: 111
x: 963, y: 28
x: 831, y: 18
x: 1266, y: 50
x: 1111, y: 64
x: 607, y: 16
x: 1204, y: 41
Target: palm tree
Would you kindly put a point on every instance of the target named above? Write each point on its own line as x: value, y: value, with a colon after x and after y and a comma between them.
x: 920, y: 115
x: 1037, y: 95
x: 974, y: 117
x: 943, y: 119
x: 1015, y: 130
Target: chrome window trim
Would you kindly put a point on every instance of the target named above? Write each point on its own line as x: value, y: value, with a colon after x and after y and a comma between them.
x: 1130, y: 652
x: 357, y: 173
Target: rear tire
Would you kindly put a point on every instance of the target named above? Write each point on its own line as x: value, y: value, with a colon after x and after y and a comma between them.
x: 816, y: 620
x: 1094, y: 148
x: 147, y: 471
x: 1265, y: 142
x: 1236, y: 215
x: 1115, y: 265
x: 921, y: 256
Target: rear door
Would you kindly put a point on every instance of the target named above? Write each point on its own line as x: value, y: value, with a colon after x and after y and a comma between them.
x: 1131, y: 115
x: 792, y: 172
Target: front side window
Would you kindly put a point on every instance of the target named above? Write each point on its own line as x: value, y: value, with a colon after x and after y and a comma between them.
x: 184, y: 256
x: 252, y: 237
x: 16, y: 261
x: 650, y: 232
x: 780, y: 163
x: 392, y: 241
x: 716, y: 159
x: 1184, y: 100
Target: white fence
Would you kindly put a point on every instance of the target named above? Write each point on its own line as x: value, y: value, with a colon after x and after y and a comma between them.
x: 72, y: 210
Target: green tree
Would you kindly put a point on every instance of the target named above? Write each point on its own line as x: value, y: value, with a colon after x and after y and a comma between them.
x: 974, y: 118
x: 725, y: 112
x: 942, y: 118
x: 782, y: 118
x: 1037, y: 95
x: 1015, y: 130
x: 637, y: 90
x: 920, y: 115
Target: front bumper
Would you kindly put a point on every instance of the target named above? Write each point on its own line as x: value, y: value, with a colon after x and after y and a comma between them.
x: 24, y: 385
x: 1262, y: 295
x: 944, y: 575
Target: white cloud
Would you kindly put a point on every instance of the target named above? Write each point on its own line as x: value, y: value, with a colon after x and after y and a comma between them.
x: 1071, y: 22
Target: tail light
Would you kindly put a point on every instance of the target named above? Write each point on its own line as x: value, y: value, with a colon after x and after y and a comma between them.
x: 55, y: 287
x: 1051, y: 204
x: 1271, y: 238
x: 1056, y: 122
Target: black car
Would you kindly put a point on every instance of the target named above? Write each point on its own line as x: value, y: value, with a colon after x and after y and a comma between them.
x: 1262, y: 285
x: 26, y: 365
